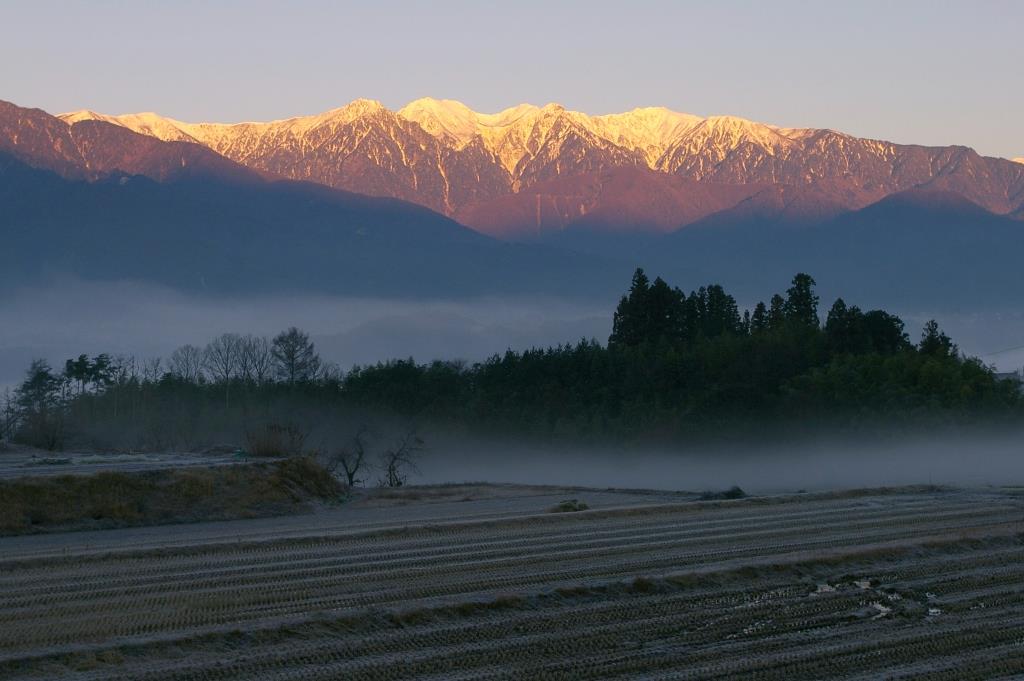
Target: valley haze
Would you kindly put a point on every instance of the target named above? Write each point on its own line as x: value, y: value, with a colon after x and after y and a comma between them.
x: 68, y: 316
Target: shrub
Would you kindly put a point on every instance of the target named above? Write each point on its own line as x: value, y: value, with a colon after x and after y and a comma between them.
x: 734, y: 492
x: 568, y: 506
x: 275, y: 439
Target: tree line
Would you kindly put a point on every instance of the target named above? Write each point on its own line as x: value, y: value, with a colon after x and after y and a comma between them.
x: 680, y: 366
x: 676, y: 365
x: 38, y: 411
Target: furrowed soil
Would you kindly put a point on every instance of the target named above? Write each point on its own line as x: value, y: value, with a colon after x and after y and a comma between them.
x: 486, y: 582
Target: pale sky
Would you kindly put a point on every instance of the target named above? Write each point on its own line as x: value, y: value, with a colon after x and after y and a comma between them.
x: 904, y: 70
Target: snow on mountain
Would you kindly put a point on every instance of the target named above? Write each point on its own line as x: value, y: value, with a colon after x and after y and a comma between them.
x: 444, y: 155
x: 447, y: 119
x: 515, y: 136
x: 703, y: 146
x: 650, y: 130
x: 149, y: 123
x: 90, y: 148
x: 506, y: 133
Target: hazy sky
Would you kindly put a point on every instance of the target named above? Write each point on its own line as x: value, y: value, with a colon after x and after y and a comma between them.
x: 927, y: 72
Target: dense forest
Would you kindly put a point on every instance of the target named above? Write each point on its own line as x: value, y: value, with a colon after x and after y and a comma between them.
x: 675, y: 367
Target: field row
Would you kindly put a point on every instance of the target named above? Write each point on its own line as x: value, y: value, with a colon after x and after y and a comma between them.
x: 925, y: 582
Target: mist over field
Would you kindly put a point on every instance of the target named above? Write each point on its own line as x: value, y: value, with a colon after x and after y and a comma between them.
x: 66, y: 319
x: 70, y: 317
x: 823, y: 462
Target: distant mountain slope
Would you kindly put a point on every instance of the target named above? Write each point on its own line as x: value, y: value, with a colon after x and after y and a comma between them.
x: 616, y: 200
x: 443, y: 155
x: 920, y: 249
x: 915, y: 250
x: 223, y: 237
x: 92, y: 149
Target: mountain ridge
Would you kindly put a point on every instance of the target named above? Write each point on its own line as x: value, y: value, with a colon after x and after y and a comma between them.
x: 92, y: 149
x: 97, y: 200
x: 444, y: 155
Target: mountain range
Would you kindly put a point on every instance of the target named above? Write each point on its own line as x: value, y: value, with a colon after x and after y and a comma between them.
x: 327, y: 203
x: 505, y: 174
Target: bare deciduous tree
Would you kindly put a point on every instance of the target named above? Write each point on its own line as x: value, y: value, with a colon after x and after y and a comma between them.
x: 255, y: 359
x: 220, y: 358
x: 123, y: 369
x: 352, y: 458
x: 120, y: 371
x: 330, y: 372
x: 187, y: 363
x: 8, y: 415
x: 399, y: 460
x: 152, y: 369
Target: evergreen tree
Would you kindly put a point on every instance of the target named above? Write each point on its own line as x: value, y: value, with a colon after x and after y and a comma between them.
x: 101, y: 372
x: 664, y: 313
x: 801, y: 306
x: 935, y: 343
x: 776, y: 312
x: 79, y: 371
x: 841, y: 328
x: 759, y: 320
x: 649, y: 313
x: 848, y: 330
x: 628, y: 321
x: 39, y: 405
x: 295, y: 358
x: 721, y: 313
x: 885, y: 332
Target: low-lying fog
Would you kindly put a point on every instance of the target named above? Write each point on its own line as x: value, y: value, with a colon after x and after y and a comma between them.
x: 66, y: 320
x: 971, y: 461
x: 71, y: 317
x: 63, y: 320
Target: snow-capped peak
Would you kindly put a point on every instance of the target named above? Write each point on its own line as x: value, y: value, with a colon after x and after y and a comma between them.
x: 361, y: 107
x: 650, y: 130
x: 507, y: 116
x: 445, y: 155
x: 511, y: 135
x: 146, y: 123
x: 72, y: 117
x: 443, y: 118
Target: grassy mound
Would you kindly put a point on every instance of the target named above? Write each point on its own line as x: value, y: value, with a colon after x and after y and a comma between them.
x: 113, y: 499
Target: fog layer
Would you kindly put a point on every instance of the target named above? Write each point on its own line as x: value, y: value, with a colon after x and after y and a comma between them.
x: 971, y: 459
x: 67, y: 318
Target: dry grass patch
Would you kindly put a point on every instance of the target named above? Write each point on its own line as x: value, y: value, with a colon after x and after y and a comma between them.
x: 113, y: 499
